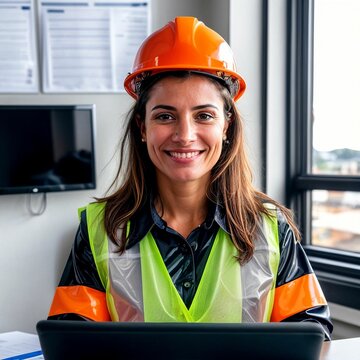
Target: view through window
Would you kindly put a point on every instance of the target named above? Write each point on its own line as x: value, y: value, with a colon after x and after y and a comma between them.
x: 336, y: 121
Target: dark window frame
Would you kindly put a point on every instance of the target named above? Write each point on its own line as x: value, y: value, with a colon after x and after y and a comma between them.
x: 338, y: 271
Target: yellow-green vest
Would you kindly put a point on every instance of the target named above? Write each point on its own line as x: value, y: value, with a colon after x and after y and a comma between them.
x: 139, y: 287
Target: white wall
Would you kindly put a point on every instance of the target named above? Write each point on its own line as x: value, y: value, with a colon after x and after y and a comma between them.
x: 246, y: 41
x: 34, y: 248
x: 276, y: 99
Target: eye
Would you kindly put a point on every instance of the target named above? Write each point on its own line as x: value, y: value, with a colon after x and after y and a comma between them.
x: 205, y: 116
x: 164, y: 117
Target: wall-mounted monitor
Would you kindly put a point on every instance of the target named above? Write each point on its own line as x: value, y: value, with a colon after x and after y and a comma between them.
x: 46, y: 148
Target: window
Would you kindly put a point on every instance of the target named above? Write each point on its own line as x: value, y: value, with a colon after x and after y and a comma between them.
x: 336, y: 121
x: 323, y: 164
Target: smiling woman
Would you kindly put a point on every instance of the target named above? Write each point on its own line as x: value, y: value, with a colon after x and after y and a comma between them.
x: 186, y: 236
x: 184, y: 128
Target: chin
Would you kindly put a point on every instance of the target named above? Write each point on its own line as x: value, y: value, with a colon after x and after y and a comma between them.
x: 185, y: 178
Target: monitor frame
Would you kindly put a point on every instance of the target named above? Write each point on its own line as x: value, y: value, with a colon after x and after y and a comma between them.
x: 34, y: 189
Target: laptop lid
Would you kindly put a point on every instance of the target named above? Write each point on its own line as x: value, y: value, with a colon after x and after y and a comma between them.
x: 61, y: 339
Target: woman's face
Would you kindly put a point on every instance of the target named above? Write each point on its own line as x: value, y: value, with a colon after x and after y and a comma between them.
x: 184, y: 128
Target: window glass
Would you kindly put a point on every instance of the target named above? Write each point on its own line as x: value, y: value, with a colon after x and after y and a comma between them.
x: 336, y: 88
x: 336, y: 219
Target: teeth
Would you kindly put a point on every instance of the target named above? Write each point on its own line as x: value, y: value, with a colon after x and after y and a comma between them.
x: 184, y: 155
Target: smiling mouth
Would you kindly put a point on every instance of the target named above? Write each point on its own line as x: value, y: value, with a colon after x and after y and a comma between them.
x: 183, y: 155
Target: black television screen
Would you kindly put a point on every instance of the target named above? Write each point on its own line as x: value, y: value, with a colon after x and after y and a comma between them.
x: 46, y: 148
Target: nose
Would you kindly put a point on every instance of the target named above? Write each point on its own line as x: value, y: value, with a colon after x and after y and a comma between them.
x: 184, y: 131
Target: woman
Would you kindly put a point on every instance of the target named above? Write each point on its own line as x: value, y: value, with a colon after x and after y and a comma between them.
x: 186, y: 236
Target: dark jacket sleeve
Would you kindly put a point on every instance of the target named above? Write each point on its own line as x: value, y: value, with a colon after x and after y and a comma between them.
x: 295, y: 272
x: 80, y: 268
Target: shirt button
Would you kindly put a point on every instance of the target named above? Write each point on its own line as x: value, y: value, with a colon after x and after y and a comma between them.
x: 184, y: 248
x: 187, y: 284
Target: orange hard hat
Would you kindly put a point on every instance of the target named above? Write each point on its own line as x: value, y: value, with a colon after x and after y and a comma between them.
x: 185, y: 44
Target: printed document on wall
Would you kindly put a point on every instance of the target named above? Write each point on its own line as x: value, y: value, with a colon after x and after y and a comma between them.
x: 18, y: 59
x: 89, y: 46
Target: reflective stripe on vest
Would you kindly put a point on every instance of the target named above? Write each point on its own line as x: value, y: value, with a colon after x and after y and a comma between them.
x: 139, y: 287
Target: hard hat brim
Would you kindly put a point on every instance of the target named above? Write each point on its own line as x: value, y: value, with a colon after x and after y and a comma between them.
x: 132, y: 79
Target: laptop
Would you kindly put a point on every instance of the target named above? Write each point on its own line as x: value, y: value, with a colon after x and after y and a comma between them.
x: 67, y: 340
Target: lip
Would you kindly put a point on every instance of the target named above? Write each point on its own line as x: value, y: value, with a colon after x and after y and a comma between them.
x: 184, y: 155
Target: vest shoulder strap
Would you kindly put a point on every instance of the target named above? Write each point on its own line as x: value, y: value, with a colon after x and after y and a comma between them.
x: 98, y: 238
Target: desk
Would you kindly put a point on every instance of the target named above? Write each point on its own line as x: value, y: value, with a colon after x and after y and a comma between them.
x: 346, y: 349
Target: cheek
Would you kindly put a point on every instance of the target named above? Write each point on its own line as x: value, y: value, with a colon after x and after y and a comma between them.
x: 215, y: 137
x: 156, y: 137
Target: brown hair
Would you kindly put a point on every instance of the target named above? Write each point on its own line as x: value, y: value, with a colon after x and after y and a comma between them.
x: 230, y: 180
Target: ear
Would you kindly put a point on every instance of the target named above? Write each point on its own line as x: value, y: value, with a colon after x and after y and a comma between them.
x: 141, y: 125
x: 228, y: 121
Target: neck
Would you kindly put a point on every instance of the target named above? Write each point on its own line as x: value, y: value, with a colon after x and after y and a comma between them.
x: 183, y: 206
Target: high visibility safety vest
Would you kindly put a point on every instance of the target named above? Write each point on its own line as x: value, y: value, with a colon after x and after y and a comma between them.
x: 139, y: 287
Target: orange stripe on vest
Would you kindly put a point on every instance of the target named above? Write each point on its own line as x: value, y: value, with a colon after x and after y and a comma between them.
x: 81, y: 300
x: 298, y: 295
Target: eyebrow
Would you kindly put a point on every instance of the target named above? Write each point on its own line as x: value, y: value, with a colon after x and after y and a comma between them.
x: 198, y: 107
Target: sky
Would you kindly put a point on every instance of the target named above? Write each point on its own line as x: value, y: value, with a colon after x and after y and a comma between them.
x: 336, y: 105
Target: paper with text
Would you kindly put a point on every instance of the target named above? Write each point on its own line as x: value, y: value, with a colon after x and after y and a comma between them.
x: 90, y: 46
x: 18, y: 57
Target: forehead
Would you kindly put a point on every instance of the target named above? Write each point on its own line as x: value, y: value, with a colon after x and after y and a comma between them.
x: 190, y: 89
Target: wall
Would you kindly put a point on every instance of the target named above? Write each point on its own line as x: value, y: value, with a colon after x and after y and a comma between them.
x: 247, y: 43
x: 34, y: 248
x: 276, y: 99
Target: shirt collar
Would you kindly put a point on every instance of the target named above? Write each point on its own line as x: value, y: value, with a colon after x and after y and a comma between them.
x: 147, y: 217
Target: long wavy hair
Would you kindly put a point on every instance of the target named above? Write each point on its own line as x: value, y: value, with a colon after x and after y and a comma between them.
x: 231, y: 180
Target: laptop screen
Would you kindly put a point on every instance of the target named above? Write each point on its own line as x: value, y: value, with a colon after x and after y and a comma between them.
x: 112, y: 340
